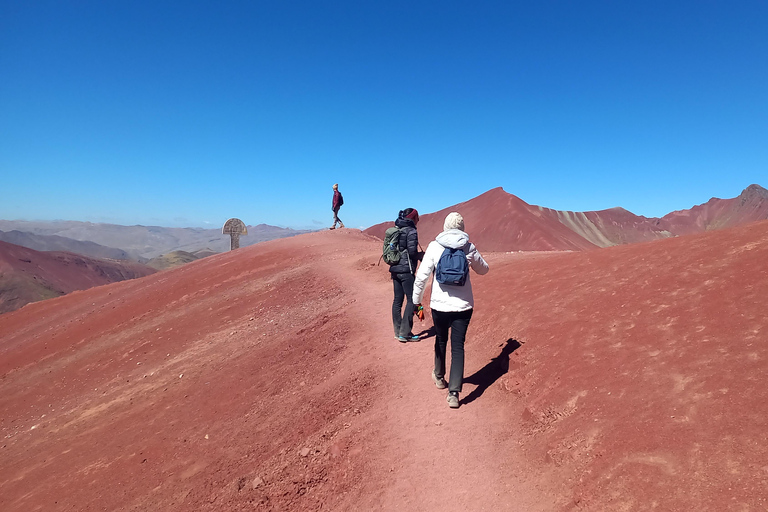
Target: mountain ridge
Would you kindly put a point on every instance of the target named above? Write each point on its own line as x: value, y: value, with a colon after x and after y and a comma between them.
x: 500, y: 221
x: 141, y: 243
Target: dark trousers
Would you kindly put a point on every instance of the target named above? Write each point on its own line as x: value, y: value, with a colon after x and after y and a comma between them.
x: 403, y: 323
x: 457, y: 322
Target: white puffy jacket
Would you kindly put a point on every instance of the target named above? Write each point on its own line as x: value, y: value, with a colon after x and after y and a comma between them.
x: 448, y: 298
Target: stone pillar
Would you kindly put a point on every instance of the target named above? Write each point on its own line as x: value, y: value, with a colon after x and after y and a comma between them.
x: 234, y: 228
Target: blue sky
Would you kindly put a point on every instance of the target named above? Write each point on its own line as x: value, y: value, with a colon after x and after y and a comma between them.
x: 189, y: 113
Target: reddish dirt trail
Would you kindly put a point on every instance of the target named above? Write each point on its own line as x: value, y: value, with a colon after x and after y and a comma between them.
x: 429, y: 456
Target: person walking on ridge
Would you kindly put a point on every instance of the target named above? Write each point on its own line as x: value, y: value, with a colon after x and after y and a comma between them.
x: 402, y: 275
x: 450, y: 255
x: 338, y: 200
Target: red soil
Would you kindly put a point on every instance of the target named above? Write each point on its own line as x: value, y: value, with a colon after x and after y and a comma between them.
x: 628, y: 378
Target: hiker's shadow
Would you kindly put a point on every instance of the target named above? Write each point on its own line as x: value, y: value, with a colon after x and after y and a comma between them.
x: 491, y: 372
x: 427, y: 333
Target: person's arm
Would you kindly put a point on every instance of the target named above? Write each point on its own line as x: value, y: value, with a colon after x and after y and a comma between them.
x: 476, y: 261
x: 423, y: 273
x: 412, y: 244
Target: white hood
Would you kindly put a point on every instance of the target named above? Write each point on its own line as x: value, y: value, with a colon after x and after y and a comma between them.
x: 448, y: 297
x: 453, y: 238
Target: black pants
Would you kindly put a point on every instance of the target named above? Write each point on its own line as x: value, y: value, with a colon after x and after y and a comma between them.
x: 457, y: 322
x: 403, y: 323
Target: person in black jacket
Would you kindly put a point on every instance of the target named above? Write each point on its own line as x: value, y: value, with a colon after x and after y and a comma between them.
x: 403, y: 275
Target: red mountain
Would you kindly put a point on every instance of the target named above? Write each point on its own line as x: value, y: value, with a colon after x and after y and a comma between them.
x: 501, y: 222
x: 27, y: 275
x: 629, y: 378
x: 750, y: 206
x: 498, y: 221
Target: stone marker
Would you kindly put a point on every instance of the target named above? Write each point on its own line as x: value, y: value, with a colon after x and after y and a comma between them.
x: 234, y: 228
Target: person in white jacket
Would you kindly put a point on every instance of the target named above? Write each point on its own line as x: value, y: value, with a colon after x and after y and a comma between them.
x: 451, y: 305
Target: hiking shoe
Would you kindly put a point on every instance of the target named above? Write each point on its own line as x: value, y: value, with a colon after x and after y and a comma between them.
x: 341, y: 225
x: 401, y: 339
x: 440, y: 383
x: 333, y: 227
x: 453, y: 400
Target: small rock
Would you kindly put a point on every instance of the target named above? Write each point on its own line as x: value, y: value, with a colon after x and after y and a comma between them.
x: 181, y: 375
x: 257, y: 482
x: 304, y: 452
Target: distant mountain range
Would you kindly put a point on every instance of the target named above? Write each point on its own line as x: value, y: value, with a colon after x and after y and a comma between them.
x: 41, y: 260
x: 499, y: 221
x: 33, y: 265
x: 139, y: 243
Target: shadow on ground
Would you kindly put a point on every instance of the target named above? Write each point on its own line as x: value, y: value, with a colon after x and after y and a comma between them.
x: 490, y: 373
x: 427, y: 333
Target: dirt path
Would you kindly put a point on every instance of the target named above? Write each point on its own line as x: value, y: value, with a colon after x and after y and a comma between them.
x: 428, y: 455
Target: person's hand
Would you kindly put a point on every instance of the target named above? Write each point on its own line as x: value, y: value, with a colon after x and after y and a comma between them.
x: 418, y: 310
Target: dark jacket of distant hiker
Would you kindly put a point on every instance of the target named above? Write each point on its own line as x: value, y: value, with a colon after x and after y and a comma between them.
x: 409, y: 245
x: 338, y: 200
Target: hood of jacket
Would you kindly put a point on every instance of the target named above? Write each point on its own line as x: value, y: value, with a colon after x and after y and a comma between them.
x: 452, y: 238
x: 405, y: 223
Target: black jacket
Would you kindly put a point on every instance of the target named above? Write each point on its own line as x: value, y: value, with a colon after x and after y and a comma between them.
x: 409, y: 245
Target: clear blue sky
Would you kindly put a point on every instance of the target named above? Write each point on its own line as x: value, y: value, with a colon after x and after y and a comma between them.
x: 188, y: 113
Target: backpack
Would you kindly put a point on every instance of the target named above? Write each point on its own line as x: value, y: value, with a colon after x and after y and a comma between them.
x: 452, y: 267
x: 341, y: 199
x: 391, y: 251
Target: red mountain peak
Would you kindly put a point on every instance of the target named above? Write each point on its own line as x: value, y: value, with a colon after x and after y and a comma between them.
x: 754, y: 191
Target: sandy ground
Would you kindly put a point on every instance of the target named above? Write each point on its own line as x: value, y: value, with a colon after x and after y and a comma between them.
x: 630, y: 378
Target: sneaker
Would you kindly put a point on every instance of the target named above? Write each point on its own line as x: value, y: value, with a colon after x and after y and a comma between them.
x: 401, y: 339
x: 342, y: 225
x: 453, y: 400
x: 333, y: 227
x: 440, y: 383
x: 413, y: 337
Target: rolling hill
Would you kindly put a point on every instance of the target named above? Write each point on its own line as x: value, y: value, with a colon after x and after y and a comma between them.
x: 28, y: 276
x: 171, y: 260
x: 626, y: 378
x: 61, y: 244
